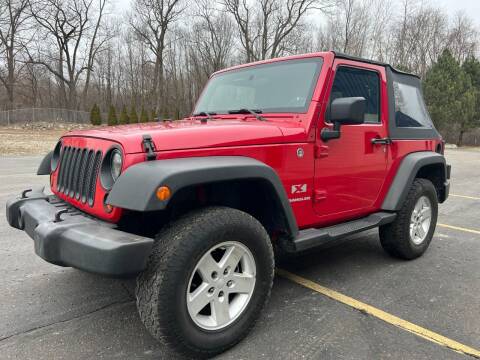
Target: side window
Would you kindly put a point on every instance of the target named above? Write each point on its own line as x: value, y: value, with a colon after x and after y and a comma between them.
x: 353, y: 82
x: 410, y: 110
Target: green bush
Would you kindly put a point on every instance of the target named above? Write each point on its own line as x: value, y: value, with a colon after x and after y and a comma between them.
x: 153, y: 115
x: 450, y: 95
x: 124, y: 119
x: 112, y: 116
x: 133, y: 115
x: 143, y: 116
x: 95, y: 116
x: 165, y: 115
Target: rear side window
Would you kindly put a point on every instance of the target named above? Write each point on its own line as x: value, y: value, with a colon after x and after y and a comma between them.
x: 410, y: 110
x: 353, y: 82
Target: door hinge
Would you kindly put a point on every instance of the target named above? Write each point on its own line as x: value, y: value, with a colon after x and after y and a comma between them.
x: 149, y: 147
x: 319, y: 195
x: 321, y: 151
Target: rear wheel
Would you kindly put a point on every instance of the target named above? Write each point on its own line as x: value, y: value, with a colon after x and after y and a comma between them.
x: 409, y: 236
x: 207, y: 281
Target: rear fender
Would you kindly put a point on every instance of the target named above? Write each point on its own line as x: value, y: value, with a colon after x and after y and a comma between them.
x: 410, y: 167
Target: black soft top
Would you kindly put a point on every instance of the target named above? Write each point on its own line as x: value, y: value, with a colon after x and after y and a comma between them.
x: 397, y: 131
x: 340, y: 55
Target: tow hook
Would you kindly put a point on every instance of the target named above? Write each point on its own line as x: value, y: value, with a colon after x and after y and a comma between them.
x: 24, y: 193
x: 58, y: 215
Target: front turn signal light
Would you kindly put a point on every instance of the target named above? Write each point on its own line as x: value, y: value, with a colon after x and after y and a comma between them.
x: 107, y: 207
x: 163, y: 193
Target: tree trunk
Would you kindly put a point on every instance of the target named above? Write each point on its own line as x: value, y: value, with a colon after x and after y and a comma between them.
x: 91, y: 55
x: 109, y: 90
x: 160, y: 94
x: 460, y: 138
x: 72, y: 96
x: 11, y: 78
x: 85, y: 89
x: 156, y: 71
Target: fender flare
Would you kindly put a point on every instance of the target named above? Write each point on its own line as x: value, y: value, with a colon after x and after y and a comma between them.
x: 136, y: 188
x: 406, y: 174
x: 44, y: 168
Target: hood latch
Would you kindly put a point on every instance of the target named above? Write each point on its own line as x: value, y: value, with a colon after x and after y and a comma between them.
x: 149, y: 147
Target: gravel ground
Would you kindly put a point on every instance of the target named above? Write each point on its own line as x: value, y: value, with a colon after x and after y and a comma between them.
x: 32, y: 139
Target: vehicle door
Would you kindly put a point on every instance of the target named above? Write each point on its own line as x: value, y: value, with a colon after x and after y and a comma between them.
x: 350, y: 170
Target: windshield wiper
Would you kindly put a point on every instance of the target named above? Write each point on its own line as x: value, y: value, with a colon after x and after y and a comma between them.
x: 254, y: 112
x: 205, y: 113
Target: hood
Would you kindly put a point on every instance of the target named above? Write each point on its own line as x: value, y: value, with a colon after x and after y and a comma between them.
x: 193, y: 134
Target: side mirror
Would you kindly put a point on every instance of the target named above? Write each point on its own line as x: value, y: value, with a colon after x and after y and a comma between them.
x: 344, y: 111
x: 348, y: 110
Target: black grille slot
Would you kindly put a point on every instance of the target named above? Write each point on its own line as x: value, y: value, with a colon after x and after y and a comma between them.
x: 87, y: 176
x: 64, y: 168
x: 78, y: 172
x: 79, y: 181
x: 69, y: 168
x: 63, y: 154
x: 93, y: 179
x: 73, y: 174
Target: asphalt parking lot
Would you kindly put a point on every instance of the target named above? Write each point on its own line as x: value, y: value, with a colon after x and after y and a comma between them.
x: 49, y: 312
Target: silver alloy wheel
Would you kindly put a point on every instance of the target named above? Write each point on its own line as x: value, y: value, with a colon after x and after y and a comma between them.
x: 221, y: 285
x: 420, y: 220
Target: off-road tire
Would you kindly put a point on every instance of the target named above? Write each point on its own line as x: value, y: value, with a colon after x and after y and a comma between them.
x: 161, y: 288
x: 395, y: 237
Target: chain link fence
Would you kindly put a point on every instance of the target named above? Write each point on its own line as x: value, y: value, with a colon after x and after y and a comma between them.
x: 46, y: 115
x: 472, y: 138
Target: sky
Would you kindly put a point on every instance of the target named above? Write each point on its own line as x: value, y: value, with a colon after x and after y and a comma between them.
x: 470, y: 7
x: 121, y: 5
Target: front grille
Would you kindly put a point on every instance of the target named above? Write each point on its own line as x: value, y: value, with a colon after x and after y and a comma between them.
x: 78, y: 173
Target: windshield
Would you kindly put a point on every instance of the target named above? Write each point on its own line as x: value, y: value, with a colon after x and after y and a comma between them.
x: 283, y: 86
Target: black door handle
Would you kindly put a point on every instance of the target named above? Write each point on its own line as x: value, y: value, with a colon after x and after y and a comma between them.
x: 381, y: 141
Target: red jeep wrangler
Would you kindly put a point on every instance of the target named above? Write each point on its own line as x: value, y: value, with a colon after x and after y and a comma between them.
x: 292, y: 153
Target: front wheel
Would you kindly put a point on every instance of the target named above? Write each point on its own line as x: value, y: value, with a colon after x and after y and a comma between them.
x: 409, y: 236
x: 207, y: 281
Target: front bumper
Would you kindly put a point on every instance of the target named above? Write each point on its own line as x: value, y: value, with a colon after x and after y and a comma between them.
x: 71, y: 238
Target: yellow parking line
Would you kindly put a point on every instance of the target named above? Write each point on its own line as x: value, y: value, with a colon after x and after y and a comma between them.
x: 460, y: 228
x: 382, y: 315
x: 466, y: 197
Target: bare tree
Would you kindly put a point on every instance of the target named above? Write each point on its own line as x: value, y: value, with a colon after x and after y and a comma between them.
x: 13, y: 16
x: 151, y: 21
x: 463, y: 37
x: 64, y: 38
x: 419, y: 37
x: 265, y: 26
x: 401, y: 42
x: 379, y: 13
x: 94, y: 47
x: 162, y: 52
x: 212, y: 37
x: 351, y: 29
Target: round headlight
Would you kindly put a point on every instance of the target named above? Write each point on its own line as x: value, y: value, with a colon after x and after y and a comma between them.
x: 116, y: 164
x: 111, y: 167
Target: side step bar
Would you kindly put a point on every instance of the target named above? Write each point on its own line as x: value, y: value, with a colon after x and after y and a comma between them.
x: 313, y: 237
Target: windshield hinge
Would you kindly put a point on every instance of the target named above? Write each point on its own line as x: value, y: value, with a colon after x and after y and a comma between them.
x: 149, y: 147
